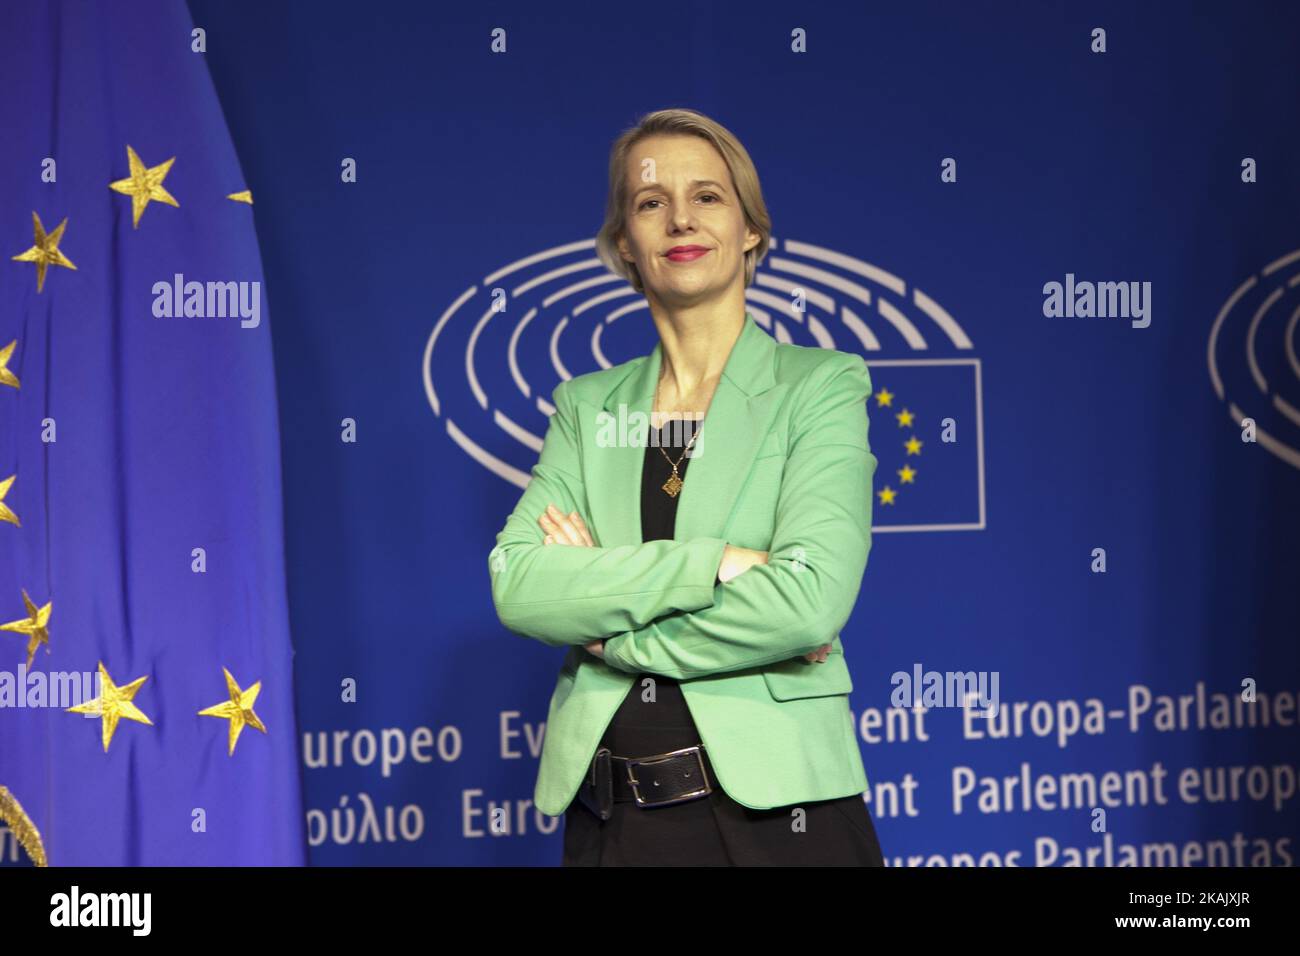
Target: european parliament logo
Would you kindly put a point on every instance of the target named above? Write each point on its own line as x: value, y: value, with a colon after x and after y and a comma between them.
x: 496, y: 352
x: 1254, y: 357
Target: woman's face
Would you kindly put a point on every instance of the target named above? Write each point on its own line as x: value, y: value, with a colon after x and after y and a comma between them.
x: 684, y: 198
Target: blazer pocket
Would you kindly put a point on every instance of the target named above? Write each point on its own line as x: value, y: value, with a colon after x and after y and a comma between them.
x: 797, y: 678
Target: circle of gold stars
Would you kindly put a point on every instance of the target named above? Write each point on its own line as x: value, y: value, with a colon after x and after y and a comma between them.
x: 144, y: 184
x: 906, y: 419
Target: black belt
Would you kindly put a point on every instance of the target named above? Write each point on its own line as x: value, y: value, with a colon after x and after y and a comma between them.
x: 659, y: 780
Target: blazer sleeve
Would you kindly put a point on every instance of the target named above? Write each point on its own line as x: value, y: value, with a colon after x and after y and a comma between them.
x: 564, y: 594
x: 804, y: 595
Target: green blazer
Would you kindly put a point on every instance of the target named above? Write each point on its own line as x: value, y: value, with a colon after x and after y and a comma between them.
x: 781, y: 464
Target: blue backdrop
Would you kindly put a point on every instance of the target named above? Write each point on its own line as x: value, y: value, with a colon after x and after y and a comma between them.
x: 931, y: 168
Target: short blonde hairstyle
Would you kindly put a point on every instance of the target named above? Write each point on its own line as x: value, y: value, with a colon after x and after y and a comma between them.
x: 743, y: 176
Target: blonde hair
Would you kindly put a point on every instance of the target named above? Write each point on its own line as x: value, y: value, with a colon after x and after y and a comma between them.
x: 743, y: 175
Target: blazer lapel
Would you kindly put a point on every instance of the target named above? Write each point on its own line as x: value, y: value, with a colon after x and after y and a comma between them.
x: 738, y: 419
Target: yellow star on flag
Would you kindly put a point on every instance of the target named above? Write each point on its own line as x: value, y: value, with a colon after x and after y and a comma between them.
x: 36, y: 625
x: 907, y: 474
x: 887, y: 495
x: 5, y: 513
x: 7, y: 377
x: 144, y: 185
x: 46, y: 252
x: 905, y: 418
x: 245, y: 196
x: 884, y: 397
x: 112, y: 704
x: 913, y: 445
x: 238, y: 710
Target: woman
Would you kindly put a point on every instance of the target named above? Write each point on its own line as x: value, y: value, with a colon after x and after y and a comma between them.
x: 701, y: 716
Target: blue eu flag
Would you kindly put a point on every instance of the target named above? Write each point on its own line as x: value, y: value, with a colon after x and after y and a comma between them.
x: 146, y: 695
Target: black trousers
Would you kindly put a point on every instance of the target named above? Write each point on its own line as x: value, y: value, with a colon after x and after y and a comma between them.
x: 713, y: 830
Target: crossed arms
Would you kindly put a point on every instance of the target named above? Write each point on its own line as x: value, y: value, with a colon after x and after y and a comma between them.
x: 656, y: 603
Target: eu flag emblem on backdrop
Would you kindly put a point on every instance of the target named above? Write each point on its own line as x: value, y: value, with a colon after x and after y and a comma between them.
x: 146, y: 669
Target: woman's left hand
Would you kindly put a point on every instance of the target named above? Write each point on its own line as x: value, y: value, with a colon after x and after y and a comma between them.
x: 565, y: 529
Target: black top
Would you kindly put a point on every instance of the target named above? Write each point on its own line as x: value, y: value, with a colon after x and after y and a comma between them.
x: 658, y: 508
x: 643, y: 727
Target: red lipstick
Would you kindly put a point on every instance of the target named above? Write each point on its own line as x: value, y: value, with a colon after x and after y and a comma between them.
x: 686, y: 253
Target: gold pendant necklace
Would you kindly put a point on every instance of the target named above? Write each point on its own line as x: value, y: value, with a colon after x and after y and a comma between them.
x: 673, y: 486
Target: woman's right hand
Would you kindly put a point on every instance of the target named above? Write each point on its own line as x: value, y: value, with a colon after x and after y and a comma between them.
x: 736, y: 561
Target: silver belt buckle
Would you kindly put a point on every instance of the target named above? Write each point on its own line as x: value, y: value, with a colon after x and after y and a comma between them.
x: 660, y: 758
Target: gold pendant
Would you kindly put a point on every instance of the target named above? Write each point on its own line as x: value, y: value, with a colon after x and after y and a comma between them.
x: 673, y: 485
